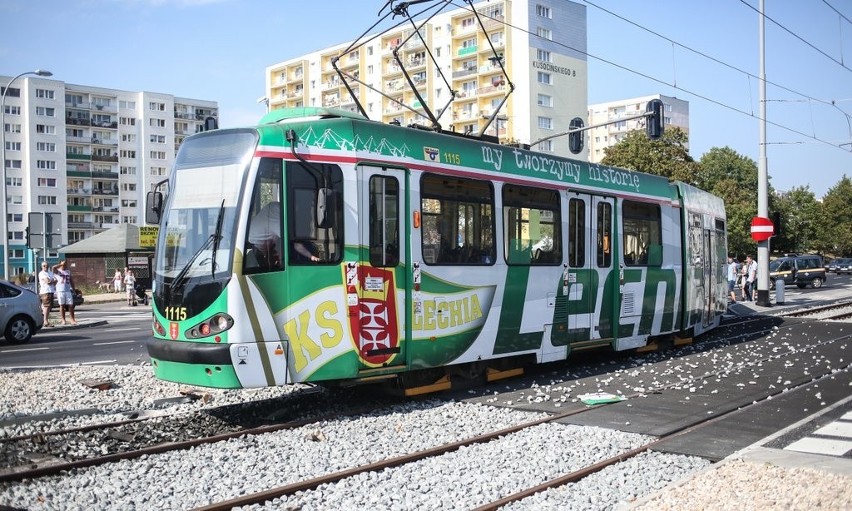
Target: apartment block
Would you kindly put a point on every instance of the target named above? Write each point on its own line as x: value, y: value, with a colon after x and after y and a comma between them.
x: 675, y: 113
x: 540, y: 43
x: 88, y: 153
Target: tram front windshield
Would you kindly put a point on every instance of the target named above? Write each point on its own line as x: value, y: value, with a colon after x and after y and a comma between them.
x: 195, y: 250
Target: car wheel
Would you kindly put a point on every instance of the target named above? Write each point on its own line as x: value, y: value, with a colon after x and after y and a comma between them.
x: 816, y: 283
x: 19, y: 330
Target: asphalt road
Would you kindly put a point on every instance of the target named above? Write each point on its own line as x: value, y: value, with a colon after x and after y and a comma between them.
x: 118, y: 338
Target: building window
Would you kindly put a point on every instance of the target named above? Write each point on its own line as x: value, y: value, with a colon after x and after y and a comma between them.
x: 12, y: 109
x: 46, y: 164
x: 157, y: 106
x: 128, y: 137
x: 158, y: 139
x: 543, y: 11
x: 13, y: 164
x: 157, y: 155
x: 546, y: 146
x: 46, y: 129
x: 545, y: 100
x: 128, y: 105
x: 47, y: 181
x: 46, y: 111
x: 544, y: 33
x: 545, y: 123
x: 129, y: 187
x: 157, y: 123
x: 544, y: 78
x: 14, y: 181
x: 12, y: 128
x: 543, y: 55
x: 46, y: 146
x: 127, y: 153
x: 128, y: 121
x: 46, y: 200
x: 13, y: 146
x: 128, y: 171
x: 45, y: 94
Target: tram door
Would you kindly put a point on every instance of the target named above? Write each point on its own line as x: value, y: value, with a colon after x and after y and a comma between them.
x: 377, y: 306
x: 589, y: 263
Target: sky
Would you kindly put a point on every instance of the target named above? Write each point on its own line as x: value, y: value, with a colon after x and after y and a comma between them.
x: 702, y: 51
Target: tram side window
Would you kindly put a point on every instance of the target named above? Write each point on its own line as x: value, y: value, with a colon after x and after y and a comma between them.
x: 531, y: 219
x: 642, y: 242
x: 457, y: 221
x: 604, y: 233
x: 263, y: 251
x: 576, y: 233
x: 384, y: 221
x: 312, y: 240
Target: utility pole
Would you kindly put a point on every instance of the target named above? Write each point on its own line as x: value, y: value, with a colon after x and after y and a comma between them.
x: 762, y: 175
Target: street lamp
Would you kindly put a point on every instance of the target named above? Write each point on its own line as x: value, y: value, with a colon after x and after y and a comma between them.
x: 3, y: 197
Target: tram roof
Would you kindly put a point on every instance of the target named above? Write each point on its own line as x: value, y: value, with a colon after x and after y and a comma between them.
x: 329, y: 131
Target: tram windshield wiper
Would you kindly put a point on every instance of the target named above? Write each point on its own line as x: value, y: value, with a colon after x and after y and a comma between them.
x: 214, y: 238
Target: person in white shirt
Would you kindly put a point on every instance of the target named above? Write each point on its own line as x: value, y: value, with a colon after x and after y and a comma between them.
x: 46, y: 289
x: 64, y: 292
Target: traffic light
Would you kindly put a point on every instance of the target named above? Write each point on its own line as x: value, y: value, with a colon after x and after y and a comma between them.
x: 655, y: 123
x: 575, y: 138
x: 27, y: 230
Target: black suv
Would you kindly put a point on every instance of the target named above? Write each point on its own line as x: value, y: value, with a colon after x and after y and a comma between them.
x: 802, y: 270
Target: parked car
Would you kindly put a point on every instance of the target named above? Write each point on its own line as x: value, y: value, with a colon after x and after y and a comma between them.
x: 78, y: 299
x: 20, y: 313
x: 801, y: 270
x: 841, y: 265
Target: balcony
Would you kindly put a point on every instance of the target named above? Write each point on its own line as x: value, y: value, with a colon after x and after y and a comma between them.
x: 104, y: 141
x: 105, y: 157
x: 466, y: 51
x: 79, y: 208
x: 105, y: 124
x: 82, y: 105
x: 464, y: 72
x: 184, y: 115
x: 80, y: 225
x: 101, y: 174
x: 77, y: 156
x: 77, y: 122
x: 109, y: 109
x: 79, y: 191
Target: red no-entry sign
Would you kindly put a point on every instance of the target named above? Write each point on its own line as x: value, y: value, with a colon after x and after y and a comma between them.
x: 761, y: 228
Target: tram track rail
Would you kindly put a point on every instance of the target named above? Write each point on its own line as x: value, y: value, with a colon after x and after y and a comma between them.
x: 314, y: 483
x: 57, y: 464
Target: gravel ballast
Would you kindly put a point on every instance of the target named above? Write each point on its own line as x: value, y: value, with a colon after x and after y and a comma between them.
x: 463, y: 479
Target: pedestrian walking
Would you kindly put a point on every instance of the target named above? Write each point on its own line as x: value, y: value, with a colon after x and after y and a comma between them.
x: 64, y: 292
x: 130, y: 286
x: 46, y: 289
x: 117, y: 279
x: 732, y: 278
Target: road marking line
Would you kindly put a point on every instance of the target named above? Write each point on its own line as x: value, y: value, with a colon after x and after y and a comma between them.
x: 108, y: 343
x: 820, y: 446
x: 24, y: 349
x: 841, y: 429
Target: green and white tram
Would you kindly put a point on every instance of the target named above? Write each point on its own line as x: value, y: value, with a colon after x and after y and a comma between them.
x: 320, y: 246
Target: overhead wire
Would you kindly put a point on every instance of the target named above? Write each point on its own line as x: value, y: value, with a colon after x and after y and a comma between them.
x: 674, y: 85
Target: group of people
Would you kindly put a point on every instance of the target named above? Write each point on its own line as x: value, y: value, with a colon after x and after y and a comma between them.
x: 128, y: 280
x: 742, y: 277
x: 56, y: 281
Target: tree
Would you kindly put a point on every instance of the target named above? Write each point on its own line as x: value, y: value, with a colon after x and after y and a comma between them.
x: 733, y: 177
x: 666, y: 156
x: 800, y: 213
x: 834, y: 224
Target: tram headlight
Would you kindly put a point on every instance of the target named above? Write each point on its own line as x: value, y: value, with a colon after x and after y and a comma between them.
x: 213, y: 325
x: 159, y: 329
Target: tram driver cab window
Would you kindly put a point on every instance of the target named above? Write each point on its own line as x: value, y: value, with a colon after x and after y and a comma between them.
x: 263, y: 250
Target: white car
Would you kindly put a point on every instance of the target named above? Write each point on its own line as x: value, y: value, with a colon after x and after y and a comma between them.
x: 20, y: 313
